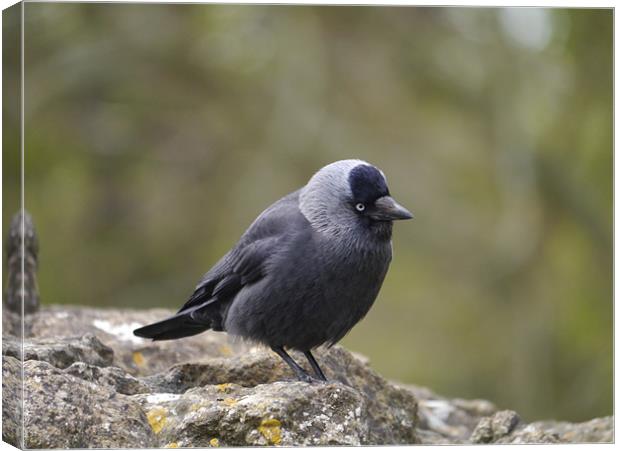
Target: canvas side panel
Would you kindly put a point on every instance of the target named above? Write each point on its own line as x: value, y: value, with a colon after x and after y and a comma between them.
x: 11, y: 202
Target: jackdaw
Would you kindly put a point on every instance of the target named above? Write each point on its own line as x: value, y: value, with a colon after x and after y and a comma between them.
x: 304, y: 273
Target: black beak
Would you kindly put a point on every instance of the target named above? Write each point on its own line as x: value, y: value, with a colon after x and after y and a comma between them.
x: 386, y: 209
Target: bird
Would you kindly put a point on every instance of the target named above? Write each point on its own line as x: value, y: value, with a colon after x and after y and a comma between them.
x: 304, y: 273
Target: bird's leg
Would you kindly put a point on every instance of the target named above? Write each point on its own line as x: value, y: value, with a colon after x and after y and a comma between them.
x: 315, y: 366
x: 299, y: 371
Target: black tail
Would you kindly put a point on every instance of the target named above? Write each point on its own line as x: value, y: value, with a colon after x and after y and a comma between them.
x: 178, y: 326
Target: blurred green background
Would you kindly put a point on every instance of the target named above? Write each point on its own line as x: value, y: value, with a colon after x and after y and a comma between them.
x: 155, y: 134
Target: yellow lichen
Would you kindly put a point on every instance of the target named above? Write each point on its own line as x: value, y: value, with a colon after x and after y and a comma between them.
x: 138, y: 358
x: 226, y: 350
x: 214, y: 442
x: 230, y: 402
x: 224, y: 388
x: 194, y: 407
x: 172, y: 445
x: 270, y: 429
x: 157, y: 419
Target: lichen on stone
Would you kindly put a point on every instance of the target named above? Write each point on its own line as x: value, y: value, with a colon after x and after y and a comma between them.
x: 224, y: 388
x: 157, y: 419
x: 230, y: 401
x: 137, y: 358
x: 270, y: 429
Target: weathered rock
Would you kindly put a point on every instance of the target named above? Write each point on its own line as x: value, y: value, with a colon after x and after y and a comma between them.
x: 506, y: 427
x: 391, y: 410
x: 61, y: 352
x: 525, y: 434
x: 111, y: 377
x: 443, y: 420
x: 62, y: 411
x: 491, y: 429
x: 115, y: 328
x: 282, y: 413
x: 96, y: 385
x: 11, y: 401
x: 598, y: 430
x: 211, y: 359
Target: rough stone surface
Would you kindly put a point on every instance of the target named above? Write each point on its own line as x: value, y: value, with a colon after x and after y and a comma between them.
x: 391, y: 413
x: 507, y: 427
x: 443, y: 420
x: 281, y: 413
x: 593, y: 431
x: 115, y: 328
x: 111, y: 377
x: 498, y: 426
x: 62, y: 411
x: 90, y: 383
x: 61, y: 352
x: 11, y: 400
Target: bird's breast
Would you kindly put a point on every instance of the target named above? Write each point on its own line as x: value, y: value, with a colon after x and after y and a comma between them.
x: 348, y: 275
x: 312, y: 295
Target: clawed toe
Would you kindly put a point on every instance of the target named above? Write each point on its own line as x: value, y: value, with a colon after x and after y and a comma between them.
x: 306, y: 378
x: 298, y: 370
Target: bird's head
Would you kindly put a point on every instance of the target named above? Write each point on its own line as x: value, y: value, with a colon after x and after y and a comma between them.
x: 350, y: 195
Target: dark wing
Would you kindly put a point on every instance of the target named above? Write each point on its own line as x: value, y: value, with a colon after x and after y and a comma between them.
x: 243, y: 265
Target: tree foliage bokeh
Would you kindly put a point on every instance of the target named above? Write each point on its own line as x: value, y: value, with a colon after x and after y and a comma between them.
x: 154, y: 134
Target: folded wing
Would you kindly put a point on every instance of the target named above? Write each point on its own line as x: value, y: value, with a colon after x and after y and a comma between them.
x: 243, y: 265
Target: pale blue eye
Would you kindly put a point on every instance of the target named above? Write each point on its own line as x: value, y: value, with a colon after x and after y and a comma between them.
x: 360, y: 207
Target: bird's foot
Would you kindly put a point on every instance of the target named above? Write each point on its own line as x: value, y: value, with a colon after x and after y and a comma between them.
x: 301, y: 374
x: 306, y: 378
x: 311, y: 379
